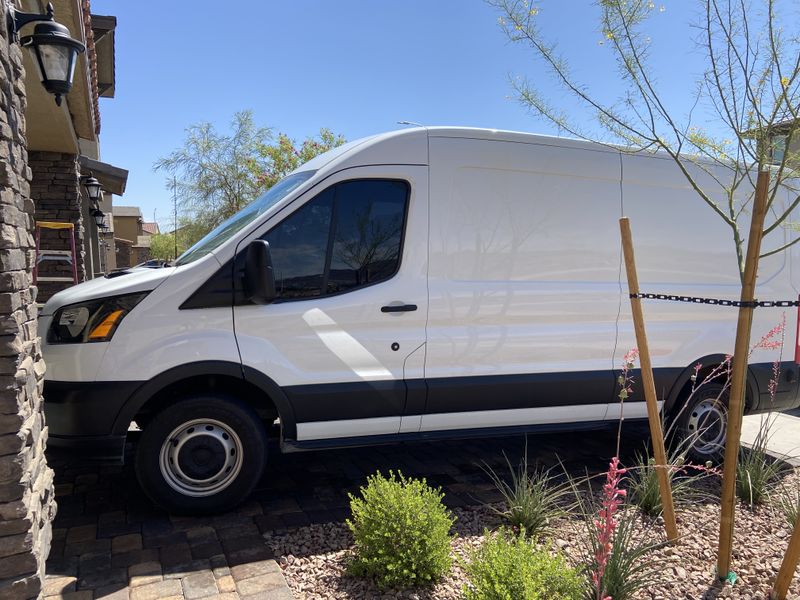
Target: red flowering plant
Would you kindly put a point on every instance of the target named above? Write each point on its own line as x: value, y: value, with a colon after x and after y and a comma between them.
x: 617, y: 541
x: 606, y: 524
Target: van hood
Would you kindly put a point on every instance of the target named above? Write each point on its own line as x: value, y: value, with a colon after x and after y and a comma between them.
x: 137, y: 279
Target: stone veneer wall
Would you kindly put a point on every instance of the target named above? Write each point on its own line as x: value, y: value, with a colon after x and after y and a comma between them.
x: 27, y: 503
x: 55, y: 188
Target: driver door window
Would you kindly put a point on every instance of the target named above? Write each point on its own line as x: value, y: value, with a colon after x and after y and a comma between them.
x: 347, y: 237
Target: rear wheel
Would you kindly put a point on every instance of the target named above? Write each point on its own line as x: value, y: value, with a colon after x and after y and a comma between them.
x: 703, y: 423
x: 203, y: 454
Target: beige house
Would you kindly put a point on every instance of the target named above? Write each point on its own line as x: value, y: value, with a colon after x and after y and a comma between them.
x: 131, y: 235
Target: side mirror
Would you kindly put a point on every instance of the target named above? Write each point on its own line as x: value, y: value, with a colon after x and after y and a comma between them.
x: 259, y: 280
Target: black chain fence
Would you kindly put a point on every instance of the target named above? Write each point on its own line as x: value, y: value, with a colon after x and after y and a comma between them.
x: 718, y: 301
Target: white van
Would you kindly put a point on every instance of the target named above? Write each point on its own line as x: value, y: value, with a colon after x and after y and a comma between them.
x: 420, y: 284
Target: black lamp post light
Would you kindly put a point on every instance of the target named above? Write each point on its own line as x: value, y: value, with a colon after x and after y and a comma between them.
x: 54, y: 52
x: 93, y: 188
x: 99, y: 218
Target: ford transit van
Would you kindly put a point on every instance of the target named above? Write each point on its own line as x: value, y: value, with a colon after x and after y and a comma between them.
x: 418, y: 284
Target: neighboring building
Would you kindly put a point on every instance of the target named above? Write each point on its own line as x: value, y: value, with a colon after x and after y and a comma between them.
x: 780, y: 135
x: 64, y: 146
x: 132, y: 236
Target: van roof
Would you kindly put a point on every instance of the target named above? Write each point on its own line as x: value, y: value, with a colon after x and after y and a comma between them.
x: 477, y: 133
x: 501, y: 135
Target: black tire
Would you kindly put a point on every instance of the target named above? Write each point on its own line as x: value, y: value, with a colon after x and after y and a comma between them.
x: 201, y: 455
x: 703, y: 422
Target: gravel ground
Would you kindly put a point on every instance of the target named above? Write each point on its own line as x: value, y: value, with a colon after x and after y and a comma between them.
x: 314, y: 558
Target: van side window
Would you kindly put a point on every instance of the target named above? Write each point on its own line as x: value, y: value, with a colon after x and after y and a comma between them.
x: 348, y: 236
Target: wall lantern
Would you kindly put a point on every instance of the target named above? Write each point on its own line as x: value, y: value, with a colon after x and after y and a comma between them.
x: 53, y: 50
x: 99, y: 218
x: 93, y: 188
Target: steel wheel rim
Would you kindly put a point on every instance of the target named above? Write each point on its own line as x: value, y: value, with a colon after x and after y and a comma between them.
x: 201, y: 457
x: 708, y: 425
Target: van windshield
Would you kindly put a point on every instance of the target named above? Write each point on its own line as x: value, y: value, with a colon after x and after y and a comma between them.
x: 228, y: 228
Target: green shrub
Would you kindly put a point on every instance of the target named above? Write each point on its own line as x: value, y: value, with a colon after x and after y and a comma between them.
x: 508, y: 566
x: 401, y: 532
x: 756, y: 471
x: 532, y: 500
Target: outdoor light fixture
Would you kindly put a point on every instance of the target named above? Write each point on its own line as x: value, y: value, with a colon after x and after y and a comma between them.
x: 99, y: 218
x: 53, y: 50
x: 93, y: 188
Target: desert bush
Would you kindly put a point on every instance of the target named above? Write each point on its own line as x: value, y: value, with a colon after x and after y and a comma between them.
x: 401, y: 532
x: 509, y: 566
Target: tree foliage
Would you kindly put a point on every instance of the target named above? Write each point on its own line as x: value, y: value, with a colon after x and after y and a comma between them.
x: 747, y: 97
x: 162, y: 245
x: 217, y: 173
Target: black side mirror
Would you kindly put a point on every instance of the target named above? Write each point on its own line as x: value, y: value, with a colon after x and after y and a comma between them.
x: 259, y: 280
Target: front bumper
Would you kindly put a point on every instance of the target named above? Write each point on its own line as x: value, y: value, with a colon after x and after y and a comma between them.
x: 81, y: 416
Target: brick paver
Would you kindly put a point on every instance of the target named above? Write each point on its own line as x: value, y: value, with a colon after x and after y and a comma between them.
x: 110, y: 542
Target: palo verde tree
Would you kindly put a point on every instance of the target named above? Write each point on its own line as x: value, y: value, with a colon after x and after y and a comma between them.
x: 745, y: 103
x: 215, y: 174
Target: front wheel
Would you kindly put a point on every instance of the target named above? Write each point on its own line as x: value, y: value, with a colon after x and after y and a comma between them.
x: 203, y: 454
x: 703, y: 423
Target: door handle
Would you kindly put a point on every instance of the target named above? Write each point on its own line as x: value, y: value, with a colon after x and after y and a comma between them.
x: 396, y: 308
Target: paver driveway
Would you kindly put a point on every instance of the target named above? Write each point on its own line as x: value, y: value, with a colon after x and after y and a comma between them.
x: 109, y: 541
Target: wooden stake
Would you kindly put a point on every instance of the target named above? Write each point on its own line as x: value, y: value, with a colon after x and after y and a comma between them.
x: 649, y: 384
x: 788, y: 566
x: 738, y: 378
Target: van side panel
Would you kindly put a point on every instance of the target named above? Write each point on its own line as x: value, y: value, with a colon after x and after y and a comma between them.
x: 683, y: 247
x: 524, y: 277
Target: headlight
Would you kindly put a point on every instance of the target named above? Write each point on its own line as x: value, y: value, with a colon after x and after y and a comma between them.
x: 91, y: 321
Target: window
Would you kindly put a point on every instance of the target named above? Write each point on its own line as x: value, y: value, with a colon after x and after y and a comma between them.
x: 778, y: 149
x: 228, y: 228
x: 347, y: 237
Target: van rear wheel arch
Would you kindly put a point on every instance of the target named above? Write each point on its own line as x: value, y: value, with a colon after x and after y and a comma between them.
x: 682, y: 388
x: 256, y: 390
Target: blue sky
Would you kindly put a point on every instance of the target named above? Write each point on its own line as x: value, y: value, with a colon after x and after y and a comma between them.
x: 356, y: 67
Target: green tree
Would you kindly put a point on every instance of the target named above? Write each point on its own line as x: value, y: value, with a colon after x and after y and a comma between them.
x: 215, y: 174
x: 284, y: 156
x: 746, y: 100
x: 162, y: 245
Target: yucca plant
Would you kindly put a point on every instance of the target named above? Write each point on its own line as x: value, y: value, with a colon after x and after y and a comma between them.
x: 642, y: 482
x: 532, y: 499
x: 756, y: 471
x: 788, y: 501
